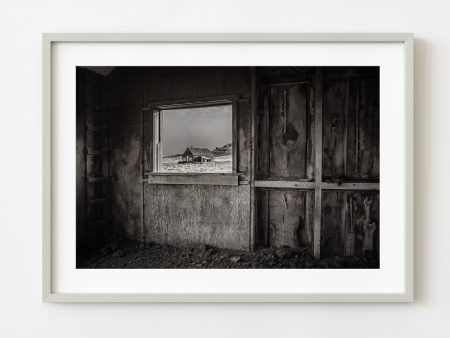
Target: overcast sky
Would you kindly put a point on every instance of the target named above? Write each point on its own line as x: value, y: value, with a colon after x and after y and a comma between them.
x: 208, y: 127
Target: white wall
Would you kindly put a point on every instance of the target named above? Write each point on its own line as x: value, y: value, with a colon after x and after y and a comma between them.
x: 21, y: 312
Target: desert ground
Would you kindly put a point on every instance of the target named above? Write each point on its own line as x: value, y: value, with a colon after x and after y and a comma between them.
x: 221, y: 164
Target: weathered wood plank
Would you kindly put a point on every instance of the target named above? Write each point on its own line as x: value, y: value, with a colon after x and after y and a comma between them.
x: 252, y: 156
x: 262, y: 218
x: 334, y: 205
x: 288, y: 111
x: 287, y: 218
x: 350, y: 223
x: 309, y: 220
x: 346, y: 122
x: 197, y: 214
x: 334, y: 106
x: 318, y: 162
x: 157, y: 151
x: 206, y: 179
x: 351, y: 123
x: 126, y: 107
x: 284, y: 184
x: 242, y: 125
x: 310, y: 130
x: 368, y: 136
x: 263, y: 152
x: 311, y: 185
x: 147, y: 141
x: 351, y: 186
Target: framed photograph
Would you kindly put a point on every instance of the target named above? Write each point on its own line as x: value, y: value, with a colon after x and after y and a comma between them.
x: 228, y: 167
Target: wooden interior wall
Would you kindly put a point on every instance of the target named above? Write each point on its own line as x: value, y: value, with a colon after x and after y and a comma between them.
x: 350, y: 219
x: 126, y: 150
x: 285, y: 218
x: 186, y: 215
x: 350, y: 223
x: 92, y: 158
x: 351, y: 124
x: 285, y: 152
x: 341, y: 104
x: 285, y: 139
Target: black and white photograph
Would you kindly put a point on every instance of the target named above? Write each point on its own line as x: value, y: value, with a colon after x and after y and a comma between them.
x: 249, y: 167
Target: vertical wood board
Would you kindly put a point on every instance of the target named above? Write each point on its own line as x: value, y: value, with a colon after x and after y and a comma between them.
x: 350, y: 223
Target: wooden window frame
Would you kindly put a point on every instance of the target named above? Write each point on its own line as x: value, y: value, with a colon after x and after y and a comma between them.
x: 156, y: 176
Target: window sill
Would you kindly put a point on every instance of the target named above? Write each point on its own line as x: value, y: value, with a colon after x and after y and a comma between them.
x: 192, y: 178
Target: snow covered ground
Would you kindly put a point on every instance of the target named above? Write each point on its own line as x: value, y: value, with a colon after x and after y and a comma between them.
x: 221, y: 164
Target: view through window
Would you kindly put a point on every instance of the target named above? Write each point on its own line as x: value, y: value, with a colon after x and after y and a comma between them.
x: 197, y: 140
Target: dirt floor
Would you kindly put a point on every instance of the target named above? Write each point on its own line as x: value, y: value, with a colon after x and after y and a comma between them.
x: 134, y: 255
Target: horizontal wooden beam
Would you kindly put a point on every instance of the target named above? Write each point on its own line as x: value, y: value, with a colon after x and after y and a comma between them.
x: 350, y: 186
x: 205, y: 179
x: 285, y: 184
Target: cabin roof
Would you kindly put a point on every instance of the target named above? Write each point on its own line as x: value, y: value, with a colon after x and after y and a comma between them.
x: 198, y: 152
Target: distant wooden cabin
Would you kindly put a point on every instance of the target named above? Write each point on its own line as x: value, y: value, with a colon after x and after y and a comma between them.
x: 197, y: 155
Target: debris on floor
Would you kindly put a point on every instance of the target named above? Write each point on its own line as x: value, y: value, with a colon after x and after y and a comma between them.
x: 128, y: 254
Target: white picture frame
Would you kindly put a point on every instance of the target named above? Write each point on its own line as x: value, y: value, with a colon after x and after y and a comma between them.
x: 49, y: 294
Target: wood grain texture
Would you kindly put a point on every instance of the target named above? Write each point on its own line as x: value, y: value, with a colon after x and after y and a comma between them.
x: 127, y: 152
x: 188, y: 215
x: 284, y: 184
x: 350, y: 223
x: 288, y: 110
x: 351, y: 186
x: 318, y: 164
x: 262, y: 218
x: 263, y: 137
x: 368, y: 141
x: 243, y: 137
x: 205, y: 179
x: 284, y: 219
x: 92, y: 158
x: 333, y: 126
x: 284, y: 122
x: 147, y: 139
x: 252, y: 154
x: 351, y: 123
